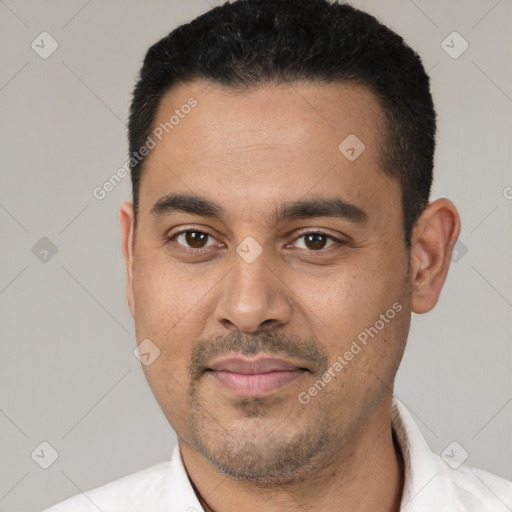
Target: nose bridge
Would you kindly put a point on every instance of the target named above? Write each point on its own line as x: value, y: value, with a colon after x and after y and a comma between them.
x: 251, y: 294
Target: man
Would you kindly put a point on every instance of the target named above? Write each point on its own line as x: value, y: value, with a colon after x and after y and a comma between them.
x: 279, y: 238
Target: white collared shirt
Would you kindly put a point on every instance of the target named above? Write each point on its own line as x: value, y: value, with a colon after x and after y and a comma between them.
x: 431, y: 485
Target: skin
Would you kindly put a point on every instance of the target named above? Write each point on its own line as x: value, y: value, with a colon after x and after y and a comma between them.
x: 251, y: 151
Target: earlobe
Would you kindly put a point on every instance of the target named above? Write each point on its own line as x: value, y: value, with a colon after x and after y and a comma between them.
x: 127, y: 218
x: 433, y: 240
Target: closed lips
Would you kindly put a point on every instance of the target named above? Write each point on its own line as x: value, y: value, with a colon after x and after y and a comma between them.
x: 246, y: 376
x: 252, y: 367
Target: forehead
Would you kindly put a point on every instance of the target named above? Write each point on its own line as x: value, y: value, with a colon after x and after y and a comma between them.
x: 269, y: 115
x: 268, y: 141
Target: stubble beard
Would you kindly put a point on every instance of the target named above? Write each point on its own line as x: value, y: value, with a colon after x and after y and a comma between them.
x: 266, y: 441
x: 262, y: 447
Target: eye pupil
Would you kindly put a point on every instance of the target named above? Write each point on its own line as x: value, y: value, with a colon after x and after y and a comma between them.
x: 315, y: 240
x: 196, y: 238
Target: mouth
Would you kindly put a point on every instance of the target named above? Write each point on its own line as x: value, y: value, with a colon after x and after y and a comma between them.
x: 255, y: 376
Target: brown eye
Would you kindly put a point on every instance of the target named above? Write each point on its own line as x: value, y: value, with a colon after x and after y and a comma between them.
x: 192, y: 239
x: 315, y: 241
x: 196, y: 239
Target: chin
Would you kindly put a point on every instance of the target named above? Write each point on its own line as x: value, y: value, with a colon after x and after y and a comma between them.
x: 263, y: 451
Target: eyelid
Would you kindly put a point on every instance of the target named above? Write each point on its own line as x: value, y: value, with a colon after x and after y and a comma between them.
x: 307, y: 231
x: 186, y: 229
x: 318, y: 231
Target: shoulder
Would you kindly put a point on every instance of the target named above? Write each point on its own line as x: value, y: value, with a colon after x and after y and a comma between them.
x: 434, y: 483
x: 143, y: 490
x: 477, y: 490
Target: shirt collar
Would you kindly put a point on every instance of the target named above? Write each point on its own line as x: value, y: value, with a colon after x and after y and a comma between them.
x: 425, y: 484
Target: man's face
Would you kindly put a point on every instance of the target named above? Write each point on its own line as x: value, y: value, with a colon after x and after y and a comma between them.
x: 253, y: 306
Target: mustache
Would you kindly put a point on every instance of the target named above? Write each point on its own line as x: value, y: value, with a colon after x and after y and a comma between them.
x: 268, y: 342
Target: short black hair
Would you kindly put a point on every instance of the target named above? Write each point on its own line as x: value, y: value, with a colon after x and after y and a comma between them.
x: 251, y: 42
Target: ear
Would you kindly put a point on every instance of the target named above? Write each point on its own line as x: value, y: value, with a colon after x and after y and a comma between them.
x: 127, y: 219
x: 433, y: 239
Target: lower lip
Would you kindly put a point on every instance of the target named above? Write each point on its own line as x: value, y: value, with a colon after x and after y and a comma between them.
x: 258, y: 383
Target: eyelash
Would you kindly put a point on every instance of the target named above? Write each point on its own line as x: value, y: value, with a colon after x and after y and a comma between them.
x: 203, y: 250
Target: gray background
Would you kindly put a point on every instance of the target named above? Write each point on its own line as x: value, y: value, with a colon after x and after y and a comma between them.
x: 67, y: 369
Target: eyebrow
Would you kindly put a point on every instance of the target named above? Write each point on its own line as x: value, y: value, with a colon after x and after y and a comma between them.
x: 300, y: 209
x: 187, y: 203
x: 324, y: 207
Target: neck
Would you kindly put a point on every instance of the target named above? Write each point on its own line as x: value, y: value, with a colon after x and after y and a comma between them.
x: 366, y: 474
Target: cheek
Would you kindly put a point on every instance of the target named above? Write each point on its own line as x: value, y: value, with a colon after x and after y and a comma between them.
x: 166, y: 312
x: 167, y: 306
x: 165, y: 296
x: 346, y: 307
x: 349, y: 298
x: 169, y: 387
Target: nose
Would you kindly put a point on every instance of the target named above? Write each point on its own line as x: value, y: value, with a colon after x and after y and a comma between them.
x: 253, y: 297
